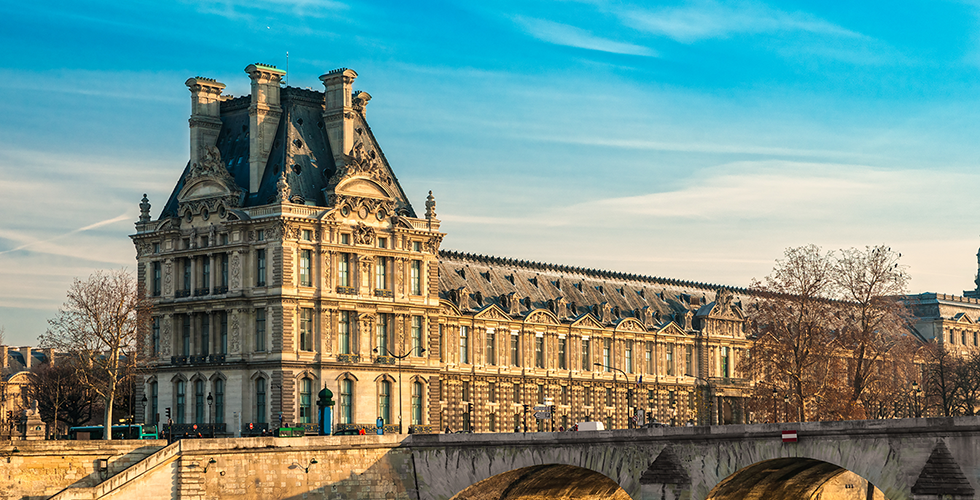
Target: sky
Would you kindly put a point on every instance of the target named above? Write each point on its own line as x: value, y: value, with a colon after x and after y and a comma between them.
x: 692, y: 139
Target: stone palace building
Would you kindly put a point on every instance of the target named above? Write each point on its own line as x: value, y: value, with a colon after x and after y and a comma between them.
x: 288, y: 259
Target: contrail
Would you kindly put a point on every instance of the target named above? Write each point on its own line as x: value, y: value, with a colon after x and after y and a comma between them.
x: 69, y: 233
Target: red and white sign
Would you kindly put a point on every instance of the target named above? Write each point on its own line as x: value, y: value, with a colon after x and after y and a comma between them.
x: 789, y: 436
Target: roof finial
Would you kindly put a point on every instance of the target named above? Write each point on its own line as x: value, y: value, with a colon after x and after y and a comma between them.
x: 282, y: 188
x: 430, y: 206
x: 145, y: 209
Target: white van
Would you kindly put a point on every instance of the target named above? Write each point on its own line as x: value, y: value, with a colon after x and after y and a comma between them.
x: 590, y: 426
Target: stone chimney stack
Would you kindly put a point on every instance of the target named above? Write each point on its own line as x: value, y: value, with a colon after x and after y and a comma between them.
x: 48, y: 355
x: 3, y: 357
x: 205, y: 118
x: 263, y: 113
x: 338, y: 116
x: 26, y: 353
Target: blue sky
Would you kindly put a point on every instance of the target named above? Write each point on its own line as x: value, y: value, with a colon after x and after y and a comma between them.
x: 694, y: 140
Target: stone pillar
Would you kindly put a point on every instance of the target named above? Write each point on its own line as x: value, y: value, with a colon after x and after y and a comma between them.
x: 205, y: 120
x: 264, y: 112
x: 26, y: 353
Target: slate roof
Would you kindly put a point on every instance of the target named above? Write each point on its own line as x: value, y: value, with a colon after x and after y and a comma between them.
x: 487, y: 280
x: 300, y: 146
x: 16, y: 362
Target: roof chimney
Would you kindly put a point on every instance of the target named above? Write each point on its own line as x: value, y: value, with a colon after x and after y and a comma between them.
x: 205, y: 118
x: 263, y: 113
x: 26, y: 353
x: 3, y: 357
x: 338, y: 115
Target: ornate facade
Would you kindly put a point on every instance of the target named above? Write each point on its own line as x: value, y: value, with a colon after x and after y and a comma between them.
x: 288, y: 259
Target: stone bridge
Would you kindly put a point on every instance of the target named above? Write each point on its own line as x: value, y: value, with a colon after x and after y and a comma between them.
x: 905, y: 459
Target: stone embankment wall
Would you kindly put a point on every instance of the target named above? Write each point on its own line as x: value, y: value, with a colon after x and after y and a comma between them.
x: 39, y: 469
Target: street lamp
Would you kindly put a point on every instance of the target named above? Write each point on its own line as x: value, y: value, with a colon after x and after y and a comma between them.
x: 615, y: 408
x: 144, y: 410
x: 399, y: 358
x: 786, y: 406
x: 210, y: 414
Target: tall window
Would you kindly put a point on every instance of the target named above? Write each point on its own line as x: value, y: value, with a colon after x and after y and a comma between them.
x: 199, y: 402
x: 417, y: 403
x: 492, y: 392
x: 185, y: 332
x: 607, y: 354
x: 381, y: 273
x: 587, y: 396
x: 564, y: 394
x: 157, y: 279
x: 346, y: 401
x: 492, y: 422
x: 540, y: 394
x: 539, y: 352
x: 669, y: 354
x: 586, y: 354
x: 223, y: 333
x: 629, y: 357
x: 224, y: 270
x: 650, y: 369
x: 260, y: 329
x: 219, y: 401
x: 464, y: 344
x: 306, y: 267
x: 306, y: 329
x: 416, y: 335
x: 515, y: 350
x: 206, y: 273
x: 466, y: 391
x: 609, y: 396
x: 155, y: 341
x: 205, y: 334
x: 305, y: 401
x: 517, y: 393
x: 384, y: 345
x: 154, y: 403
x: 689, y: 360
x: 725, y: 360
x: 415, y: 278
x: 562, y: 356
x: 343, y: 332
x: 384, y: 402
x: 181, y: 410
x: 260, y: 400
x: 187, y: 276
x: 260, y: 267
x: 343, y: 269
x: 491, y: 353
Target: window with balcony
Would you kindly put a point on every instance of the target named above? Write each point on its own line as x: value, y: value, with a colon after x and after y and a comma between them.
x: 417, y: 335
x: 464, y: 344
x: 260, y: 400
x: 384, y: 334
x: 346, y: 402
x: 199, y: 402
x: 586, y: 354
x: 515, y: 350
x: 223, y: 332
x: 205, y: 287
x: 689, y: 360
x: 491, y: 352
x: 219, y: 401
x: 343, y: 270
x: 306, y: 267
x: 628, y: 357
x: 416, y: 403
x: 343, y: 332
x: 562, y: 354
x: 669, y: 359
x: 539, y: 352
x: 260, y: 267
x: 260, y: 330
x: 415, y: 278
x: 381, y: 269
x: 306, y: 329
x: 180, y: 390
x: 157, y: 279
x: 384, y: 402
x: 155, y: 339
x: 607, y: 355
x: 306, y: 401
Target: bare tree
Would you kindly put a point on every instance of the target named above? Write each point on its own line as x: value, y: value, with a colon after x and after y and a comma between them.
x: 59, y: 397
x: 794, y: 331
x: 870, y: 284
x: 100, y: 323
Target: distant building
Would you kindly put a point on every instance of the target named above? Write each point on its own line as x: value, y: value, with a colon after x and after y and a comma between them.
x: 15, y: 405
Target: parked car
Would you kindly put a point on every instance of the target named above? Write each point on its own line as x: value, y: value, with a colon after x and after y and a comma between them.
x: 590, y: 426
x: 349, y: 432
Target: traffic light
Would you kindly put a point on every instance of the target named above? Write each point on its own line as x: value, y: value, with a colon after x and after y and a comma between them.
x: 525, y: 408
x: 168, y: 413
x: 469, y: 408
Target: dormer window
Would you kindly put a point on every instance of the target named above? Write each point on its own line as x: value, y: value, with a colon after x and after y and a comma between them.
x: 345, y: 239
x: 382, y: 242
x: 307, y: 235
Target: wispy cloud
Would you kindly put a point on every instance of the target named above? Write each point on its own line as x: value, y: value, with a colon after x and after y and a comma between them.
x: 32, y: 243
x: 571, y: 36
x: 706, y: 19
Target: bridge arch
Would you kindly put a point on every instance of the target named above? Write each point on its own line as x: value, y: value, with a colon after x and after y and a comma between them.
x: 545, y: 482
x: 792, y: 478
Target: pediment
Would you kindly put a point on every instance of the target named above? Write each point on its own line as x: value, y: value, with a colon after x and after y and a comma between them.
x: 962, y: 318
x: 447, y: 308
x: 541, y: 317
x: 492, y: 312
x: 671, y: 329
x: 203, y: 188
x: 587, y: 321
x: 630, y: 325
x: 359, y: 186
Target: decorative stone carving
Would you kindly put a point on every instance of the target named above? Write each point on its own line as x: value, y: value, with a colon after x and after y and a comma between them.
x: 210, y: 166
x: 168, y: 277
x: 282, y: 188
x: 363, y: 235
x: 430, y: 206
x: 145, y: 209
x: 236, y: 271
x: 432, y: 246
x: 236, y: 342
x: 165, y: 335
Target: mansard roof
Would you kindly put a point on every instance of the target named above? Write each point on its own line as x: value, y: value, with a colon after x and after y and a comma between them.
x: 474, y: 281
x: 300, y: 146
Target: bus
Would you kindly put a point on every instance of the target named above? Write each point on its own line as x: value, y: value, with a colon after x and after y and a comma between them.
x: 95, y: 432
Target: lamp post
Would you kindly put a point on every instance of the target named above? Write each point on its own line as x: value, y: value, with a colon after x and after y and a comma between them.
x: 917, y: 391
x: 616, y: 407
x: 786, y: 406
x: 775, y: 415
x: 399, y: 358
x: 210, y: 414
x: 144, y: 409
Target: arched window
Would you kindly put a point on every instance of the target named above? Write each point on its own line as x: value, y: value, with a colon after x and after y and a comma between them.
x: 260, y: 401
x: 181, y: 391
x: 417, y: 403
x: 305, y: 399
x: 385, y: 402
x: 198, y: 401
x: 219, y: 401
x: 346, y: 415
x: 154, y: 404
